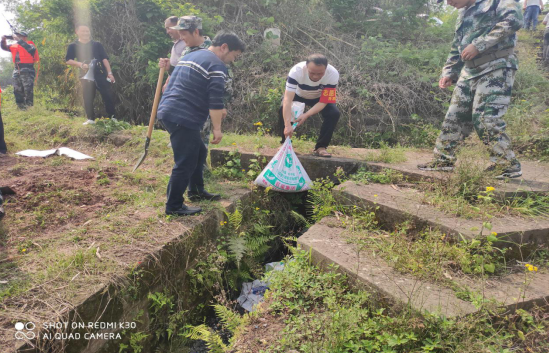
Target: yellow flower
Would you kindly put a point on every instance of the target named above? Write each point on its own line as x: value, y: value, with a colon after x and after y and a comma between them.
x: 490, y: 188
x: 495, y: 234
x: 221, y: 223
x: 257, y: 208
x: 23, y: 250
x: 375, y: 195
x: 243, y: 170
x: 531, y: 268
x: 259, y: 123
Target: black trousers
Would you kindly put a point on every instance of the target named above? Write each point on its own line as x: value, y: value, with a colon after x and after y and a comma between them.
x: 3, y: 147
x: 330, y: 116
x: 104, y: 88
x: 189, y: 155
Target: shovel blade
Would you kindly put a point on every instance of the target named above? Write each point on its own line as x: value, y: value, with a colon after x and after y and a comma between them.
x: 147, y: 142
x: 140, y: 161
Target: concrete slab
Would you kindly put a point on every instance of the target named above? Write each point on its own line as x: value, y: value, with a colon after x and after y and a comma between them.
x: 535, y: 180
x: 399, y: 204
x: 316, y: 167
x: 535, y: 175
x: 329, y: 246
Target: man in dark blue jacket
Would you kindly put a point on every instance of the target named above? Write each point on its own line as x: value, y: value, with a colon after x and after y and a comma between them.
x: 195, y: 90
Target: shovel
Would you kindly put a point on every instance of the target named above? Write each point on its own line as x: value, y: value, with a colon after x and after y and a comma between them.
x: 153, y: 117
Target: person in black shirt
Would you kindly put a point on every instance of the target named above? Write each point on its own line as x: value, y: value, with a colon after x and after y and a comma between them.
x: 80, y: 54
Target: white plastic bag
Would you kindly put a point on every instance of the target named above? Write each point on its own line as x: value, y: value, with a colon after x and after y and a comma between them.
x: 298, y: 108
x: 284, y: 172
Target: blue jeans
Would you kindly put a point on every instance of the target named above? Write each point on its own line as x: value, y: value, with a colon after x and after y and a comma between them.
x: 189, y: 155
x: 531, y: 14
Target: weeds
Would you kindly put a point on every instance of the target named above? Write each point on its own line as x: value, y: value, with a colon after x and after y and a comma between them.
x: 387, y: 154
x: 320, y: 312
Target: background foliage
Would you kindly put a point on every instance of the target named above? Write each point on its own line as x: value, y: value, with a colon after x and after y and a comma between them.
x: 389, y: 59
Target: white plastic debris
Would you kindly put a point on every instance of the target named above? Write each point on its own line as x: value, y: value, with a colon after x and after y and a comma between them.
x: 63, y: 151
x: 274, y: 266
x: 35, y: 153
x: 253, y: 292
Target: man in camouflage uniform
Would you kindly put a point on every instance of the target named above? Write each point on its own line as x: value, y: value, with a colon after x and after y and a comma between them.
x: 24, y: 56
x: 482, y: 64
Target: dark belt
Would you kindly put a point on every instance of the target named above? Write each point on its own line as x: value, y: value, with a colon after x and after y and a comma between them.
x: 486, y: 58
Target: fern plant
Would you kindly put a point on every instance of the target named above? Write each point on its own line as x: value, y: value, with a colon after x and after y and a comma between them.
x: 213, y: 341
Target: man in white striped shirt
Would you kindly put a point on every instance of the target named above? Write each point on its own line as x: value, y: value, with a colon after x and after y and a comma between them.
x: 313, y: 82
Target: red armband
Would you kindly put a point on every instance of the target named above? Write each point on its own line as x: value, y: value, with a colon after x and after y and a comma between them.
x: 328, y: 95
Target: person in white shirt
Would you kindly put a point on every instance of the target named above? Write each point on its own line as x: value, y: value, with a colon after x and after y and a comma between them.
x: 313, y: 82
x: 532, y: 9
x: 546, y: 39
x: 178, y: 47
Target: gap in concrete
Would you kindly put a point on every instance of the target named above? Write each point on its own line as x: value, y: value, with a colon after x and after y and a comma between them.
x: 399, y: 204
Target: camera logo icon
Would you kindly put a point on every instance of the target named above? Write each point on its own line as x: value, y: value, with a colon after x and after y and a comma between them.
x: 24, y: 331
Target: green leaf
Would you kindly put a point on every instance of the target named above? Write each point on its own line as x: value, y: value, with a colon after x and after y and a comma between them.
x: 491, y: 268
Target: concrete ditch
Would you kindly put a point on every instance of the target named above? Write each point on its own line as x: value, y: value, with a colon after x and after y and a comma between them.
x: 328, y: 245
x: 400, y: 204
x: 535, y: 180
x: 123, y: 300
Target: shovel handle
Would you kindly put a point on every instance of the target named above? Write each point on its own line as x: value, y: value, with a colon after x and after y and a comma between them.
x: 156, y: 101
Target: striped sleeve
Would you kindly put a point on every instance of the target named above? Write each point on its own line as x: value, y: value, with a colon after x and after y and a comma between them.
x: 292, y: 81
x: 216, y: 87
x: 333, y: 79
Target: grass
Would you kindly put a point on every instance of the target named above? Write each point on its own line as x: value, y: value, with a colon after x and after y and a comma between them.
x: 312, y: 310
x: 388, y: 154
x: 75, y: 225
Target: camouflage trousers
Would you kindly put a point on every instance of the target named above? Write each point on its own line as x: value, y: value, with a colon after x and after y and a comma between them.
x: 479, y: 103
x: 206, y: 132
x: 545, y: 54
x: 23, y: 88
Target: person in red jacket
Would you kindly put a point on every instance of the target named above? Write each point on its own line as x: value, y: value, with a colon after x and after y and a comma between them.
x: 3, y: 148
x: 24, y: 55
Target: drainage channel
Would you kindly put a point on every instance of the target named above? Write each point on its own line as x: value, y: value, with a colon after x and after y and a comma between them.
x: 176, y: 286
x: 249, y: 237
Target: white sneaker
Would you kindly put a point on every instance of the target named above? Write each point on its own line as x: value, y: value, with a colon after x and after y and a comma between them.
x: 89, y: 122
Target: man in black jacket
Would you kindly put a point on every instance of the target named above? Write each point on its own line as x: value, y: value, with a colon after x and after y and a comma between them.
x: 80, y: 54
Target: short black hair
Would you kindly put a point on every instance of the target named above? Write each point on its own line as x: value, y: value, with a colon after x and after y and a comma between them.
x: 173, y: 20
x: 318, y: 59
x: 231, y: 39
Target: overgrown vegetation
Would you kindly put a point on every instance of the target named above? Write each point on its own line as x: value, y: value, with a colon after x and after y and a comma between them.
x: 317, y: 311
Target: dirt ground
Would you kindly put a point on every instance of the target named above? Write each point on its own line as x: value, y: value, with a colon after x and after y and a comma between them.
x: 73, y: 226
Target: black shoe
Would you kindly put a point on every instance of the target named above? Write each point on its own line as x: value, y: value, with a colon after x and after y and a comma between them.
x: 436, y: 166
x: 514, y: 171
x: 184, y: 211
x: 204, y: 195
